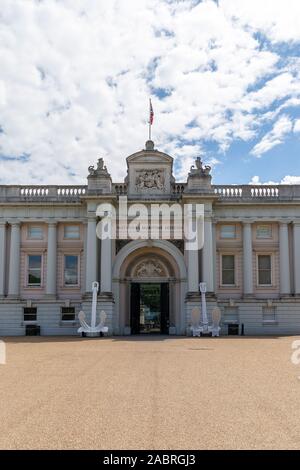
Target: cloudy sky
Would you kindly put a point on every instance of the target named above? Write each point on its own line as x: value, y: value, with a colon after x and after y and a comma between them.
x: 76, y: 76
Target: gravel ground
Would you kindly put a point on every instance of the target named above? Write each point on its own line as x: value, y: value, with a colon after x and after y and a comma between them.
x: 149, y: 393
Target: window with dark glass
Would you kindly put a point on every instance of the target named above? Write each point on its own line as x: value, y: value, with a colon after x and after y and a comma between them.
x: 30, y: 313
x: 71, y: 270
x: 264, y: 270
x: 34, y: 270
x: 228, y: 275
x: 68, y: 313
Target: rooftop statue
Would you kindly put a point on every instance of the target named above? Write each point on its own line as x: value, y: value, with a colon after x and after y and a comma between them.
x: 100, y: 170
x: 200, y: 170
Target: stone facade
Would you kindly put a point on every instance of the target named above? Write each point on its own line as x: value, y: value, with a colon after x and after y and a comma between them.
x: 50, y: 253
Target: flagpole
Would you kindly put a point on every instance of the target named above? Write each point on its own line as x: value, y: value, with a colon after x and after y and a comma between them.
x: 149, y: 118
x: 151, y: 114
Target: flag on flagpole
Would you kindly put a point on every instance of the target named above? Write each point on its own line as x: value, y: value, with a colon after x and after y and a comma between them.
x: 151, y: 114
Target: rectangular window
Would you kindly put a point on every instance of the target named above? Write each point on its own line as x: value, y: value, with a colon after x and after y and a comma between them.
x: 71, y: 232
x: 264, y: 231
x: 35, y: 232
x: 30, y: 313
x: 264, y: 270
x: 71, y: 270
x: 68, y: 313
x: 227, y: 231
x: 34, y: 273
x: 228, y: 275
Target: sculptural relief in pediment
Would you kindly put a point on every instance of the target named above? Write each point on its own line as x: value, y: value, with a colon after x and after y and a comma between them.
x: 148, y: 180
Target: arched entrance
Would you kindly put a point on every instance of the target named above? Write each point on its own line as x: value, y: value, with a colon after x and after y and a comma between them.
x: 149, y: 285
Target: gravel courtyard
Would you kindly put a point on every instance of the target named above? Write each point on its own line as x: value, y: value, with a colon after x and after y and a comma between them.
x: 149, y: 393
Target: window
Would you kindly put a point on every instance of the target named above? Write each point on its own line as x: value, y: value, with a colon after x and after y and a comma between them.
x: 71, y: 270
x: 30, y: 313
x: 68, y: 313
x: 71, y: 232
x: 228, y: 277
x: 35, y: 232
x: 227, y: 231
x: 34, y: 272
x: 264, y: 270
x: 264, y: 231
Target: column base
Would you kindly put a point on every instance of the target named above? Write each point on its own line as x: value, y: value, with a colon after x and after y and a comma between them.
x: 192, y: 297
x: 50, y: 297
x: 106, y: 296
x: 210, y: 295
x: 248, y: 296
x: 13, y: 297
x: 87, y: 296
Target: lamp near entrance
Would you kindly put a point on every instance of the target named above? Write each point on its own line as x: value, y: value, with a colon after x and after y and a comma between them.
x: 202, y: 287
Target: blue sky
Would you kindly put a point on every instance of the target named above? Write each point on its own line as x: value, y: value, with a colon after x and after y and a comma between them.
x: 76, y: 76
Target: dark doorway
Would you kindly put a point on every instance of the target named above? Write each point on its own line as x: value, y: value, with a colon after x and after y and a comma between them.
x: 150, y: 308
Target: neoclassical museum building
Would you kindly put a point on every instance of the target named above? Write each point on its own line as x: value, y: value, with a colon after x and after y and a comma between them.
x: 50, y: 255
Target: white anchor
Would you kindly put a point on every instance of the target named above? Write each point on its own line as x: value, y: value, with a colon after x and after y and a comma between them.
x: 94, y: 329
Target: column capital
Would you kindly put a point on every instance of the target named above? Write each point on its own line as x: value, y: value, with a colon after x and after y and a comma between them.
x: 15, y: 223
x: 52, y: 223
x: 3, y: 223
x: 296, y: 223
x: 282, y: 222
x: 247, y: 222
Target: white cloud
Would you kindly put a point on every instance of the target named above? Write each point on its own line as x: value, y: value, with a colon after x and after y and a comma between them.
x: 297, y: 125
x: 275, y: 137
x: 286, y: 180
x: 278, y: 19
x: 76, y: 76
x: 291, y: 180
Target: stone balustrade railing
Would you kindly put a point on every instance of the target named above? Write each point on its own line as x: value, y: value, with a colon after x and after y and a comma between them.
x: 258, y: 192
x: 178, y: 188
x: 120, y: 188
x: 12, y: 193
x: 34, y: 193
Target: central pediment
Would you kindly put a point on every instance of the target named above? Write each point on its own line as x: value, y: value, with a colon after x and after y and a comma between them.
x: 149, y: 172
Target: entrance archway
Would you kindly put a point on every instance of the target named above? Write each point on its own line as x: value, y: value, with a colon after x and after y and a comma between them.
x: 160, y: 306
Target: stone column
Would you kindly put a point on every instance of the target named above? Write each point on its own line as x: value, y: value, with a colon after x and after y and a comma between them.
x: 208, y: 256
x: 284, y: 259
x: 84, y: 255
x: 192, y: 254
x: 14, y: 261
x: 214, y: 248
x: 106, y: 265
x: 91, y: 254
x: 296, y: 230
x: 193, y: 270
x: 2, y: 257
x: 51, y: 260
x: 247, y: 259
